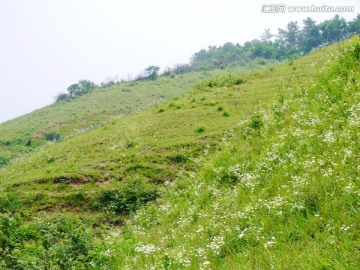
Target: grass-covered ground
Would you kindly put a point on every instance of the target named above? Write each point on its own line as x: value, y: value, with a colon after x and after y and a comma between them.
x: 256, y: 171
x: 66, y: 119
x: 283, y: 193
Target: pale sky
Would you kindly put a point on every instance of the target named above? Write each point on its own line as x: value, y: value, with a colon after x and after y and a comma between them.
x: 46, y: 45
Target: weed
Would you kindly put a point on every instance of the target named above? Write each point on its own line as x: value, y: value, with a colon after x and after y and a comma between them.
x: 200, y: 130
x: 129, y: 198
x: 52, y: 136
x: 179, y: 158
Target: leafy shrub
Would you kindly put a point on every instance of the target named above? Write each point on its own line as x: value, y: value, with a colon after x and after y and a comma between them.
x: 76, y: 199
x: 129, y: 198
x: 129, y: 144
x: 62, y: 97
x: 256, y: 121
x: 50, y: 159
x: 61, y: 243
x: 10, y: 203
x: 107, y: 84
x: 179, y: 158
x: 81, y: 88
x: 4, y: 160
x: 222, y: 81
x: 52, y: 136
x: 200, y: 130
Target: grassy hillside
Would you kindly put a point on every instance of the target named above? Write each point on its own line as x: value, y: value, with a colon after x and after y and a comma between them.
x: 70, y: 118
x: 283, y: 193
x: 239, y: 183
x: 156, y: 144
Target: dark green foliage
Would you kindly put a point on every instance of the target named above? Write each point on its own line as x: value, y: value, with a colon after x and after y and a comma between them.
x: 129, y: 198
x: 311, y: 37
x: 4, y: 160
x: 81, y: 88
x: 200, y: 130
x: 63, y: 97
x: 61, y: 243
x: 292, y: 40
x: 256, y: 121
x: 16, y: 141
x: 129, y: 144
x: 108, y: 83
x: 52, y: 136
x: 182, y: 68
x: 152, y: 72
x: 76, y: 199
x: 50, y: 159
x: 354, y: 26
x: 179, y: 158
x: 223, y: 81
x: 10, y: 203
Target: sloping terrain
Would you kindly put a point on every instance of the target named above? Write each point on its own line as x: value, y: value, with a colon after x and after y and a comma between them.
x: 71, y: 118
x: 237, y: 182
x: 282, y: 193
x: 155, y: 145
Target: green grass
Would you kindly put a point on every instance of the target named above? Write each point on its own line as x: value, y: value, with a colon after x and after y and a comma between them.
x: 153, y: 135
x: 282, y: 193
x: 71, y: 118
x: 271, y: 185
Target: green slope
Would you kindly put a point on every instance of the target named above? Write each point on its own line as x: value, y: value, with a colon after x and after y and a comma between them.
x: 240, y: 183
x: 26, y: 133
x: 282, y: 193
x: 146, y: 144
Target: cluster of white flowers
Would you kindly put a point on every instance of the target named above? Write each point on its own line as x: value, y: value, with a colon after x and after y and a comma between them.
x: 354, y: 118
x: 329, y: 137
x: 216, y: 244
x: 270, y: 243
x: 146, y: 249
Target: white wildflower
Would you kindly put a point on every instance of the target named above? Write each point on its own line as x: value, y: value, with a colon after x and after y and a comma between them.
x: 329, y: 137
x: 270, y: 243
x: 147, y: 249
x: 216, y: 244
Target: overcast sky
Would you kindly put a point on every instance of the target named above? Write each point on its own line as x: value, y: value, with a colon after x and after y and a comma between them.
x: 46, y: 45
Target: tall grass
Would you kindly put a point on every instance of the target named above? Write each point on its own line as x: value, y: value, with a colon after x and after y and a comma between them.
x: 265, y: 188
x: 282, y: 194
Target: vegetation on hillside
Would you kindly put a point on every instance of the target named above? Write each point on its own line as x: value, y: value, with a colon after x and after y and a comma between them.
x: 205, y: 166
x: 26, y: 134
x: 287, y: 43
x: 194, y: 188
x: 283, y: 193
x: 292, y: 41
x: 82, y: 113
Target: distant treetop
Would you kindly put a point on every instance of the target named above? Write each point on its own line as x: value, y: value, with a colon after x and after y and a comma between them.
x: 293, y: 40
